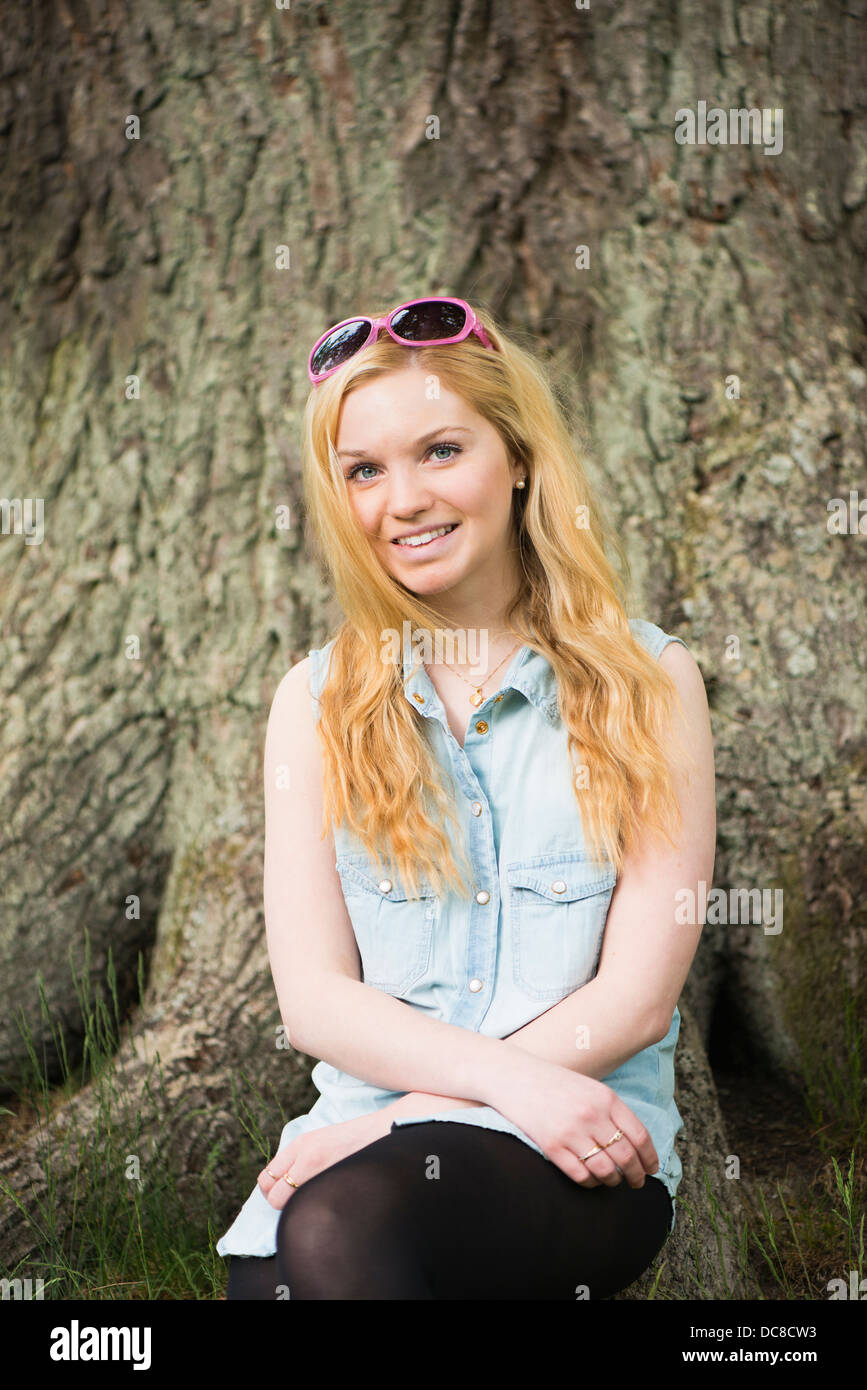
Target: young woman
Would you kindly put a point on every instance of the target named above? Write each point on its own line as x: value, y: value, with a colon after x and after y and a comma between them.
x: 476, y: 833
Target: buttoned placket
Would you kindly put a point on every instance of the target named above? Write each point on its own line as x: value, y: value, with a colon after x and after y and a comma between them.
x: 472, y: 770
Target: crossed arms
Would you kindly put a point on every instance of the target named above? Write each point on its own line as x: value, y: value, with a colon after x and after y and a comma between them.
x: 330, y: 1014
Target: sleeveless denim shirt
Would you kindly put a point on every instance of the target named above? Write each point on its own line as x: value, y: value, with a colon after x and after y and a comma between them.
x: 530, y: 935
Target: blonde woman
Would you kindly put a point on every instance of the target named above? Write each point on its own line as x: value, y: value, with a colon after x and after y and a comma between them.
x: 483, y: 797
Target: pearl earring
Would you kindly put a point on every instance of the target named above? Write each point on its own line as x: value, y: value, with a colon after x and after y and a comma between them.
x: 520, y: 483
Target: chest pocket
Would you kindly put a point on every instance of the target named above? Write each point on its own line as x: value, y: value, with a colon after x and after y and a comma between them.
x: 394, y: 932
x: 558, y: 905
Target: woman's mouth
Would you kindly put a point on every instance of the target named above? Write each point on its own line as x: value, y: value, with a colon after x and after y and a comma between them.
x: 426, y: 540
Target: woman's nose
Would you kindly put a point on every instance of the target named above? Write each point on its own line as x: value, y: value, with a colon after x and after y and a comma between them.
x: 407, y: 494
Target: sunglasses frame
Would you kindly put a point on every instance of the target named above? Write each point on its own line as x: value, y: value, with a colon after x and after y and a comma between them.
x: 472, y: 325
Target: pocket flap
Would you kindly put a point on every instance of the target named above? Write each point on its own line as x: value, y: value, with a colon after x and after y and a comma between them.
x: 562, y: 880
x: 359, y: 871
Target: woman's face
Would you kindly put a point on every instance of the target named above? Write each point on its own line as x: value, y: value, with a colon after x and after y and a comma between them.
x: 412, y: 465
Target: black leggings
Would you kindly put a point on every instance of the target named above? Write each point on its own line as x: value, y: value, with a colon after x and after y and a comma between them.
x: 441, y: 1209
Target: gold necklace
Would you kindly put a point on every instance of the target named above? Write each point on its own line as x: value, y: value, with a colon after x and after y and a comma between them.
x: 477, y: 698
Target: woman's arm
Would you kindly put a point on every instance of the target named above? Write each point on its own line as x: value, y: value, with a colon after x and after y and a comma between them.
x: 646, y: 952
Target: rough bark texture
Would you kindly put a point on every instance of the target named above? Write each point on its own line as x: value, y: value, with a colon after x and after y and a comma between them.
x: 131, y: 772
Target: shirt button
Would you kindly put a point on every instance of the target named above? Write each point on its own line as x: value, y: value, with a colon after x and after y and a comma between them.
x: 385, y: 885
x: 481, y: 727
x: 477, y: 808
x: 483, y: 896
x: 559, y: 886
x: 475, y: 986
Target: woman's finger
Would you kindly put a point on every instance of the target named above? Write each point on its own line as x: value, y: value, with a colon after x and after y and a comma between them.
x: 281, y: 1190
x: 275, y: 1168
x: 569, y: 1163
x: 624, y: 1119
x: 619, y: 1159
x: 625, y: 1156
x: 601, y: 1165
x: 612, y: 1157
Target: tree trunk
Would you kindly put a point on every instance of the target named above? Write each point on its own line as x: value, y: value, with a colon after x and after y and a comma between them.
x: 153, y: 359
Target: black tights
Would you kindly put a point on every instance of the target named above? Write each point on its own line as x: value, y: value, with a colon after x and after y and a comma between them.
x: 446, y: 1210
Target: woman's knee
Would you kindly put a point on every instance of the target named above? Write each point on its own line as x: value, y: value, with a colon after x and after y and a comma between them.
x: 344, y: 1235
x: 341, y: 1210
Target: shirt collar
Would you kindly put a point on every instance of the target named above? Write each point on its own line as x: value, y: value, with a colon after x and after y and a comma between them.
x: 528, y: 672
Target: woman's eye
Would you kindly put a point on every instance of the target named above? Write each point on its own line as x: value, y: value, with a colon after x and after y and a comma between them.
x: 450, y: 448
x: 352, y: 472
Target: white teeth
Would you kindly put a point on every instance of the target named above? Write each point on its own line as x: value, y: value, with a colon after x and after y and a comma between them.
x: 426, y: 536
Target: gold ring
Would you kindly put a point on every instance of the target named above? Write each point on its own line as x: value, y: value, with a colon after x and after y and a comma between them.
x: 618, y: 1134
x: 286, y: 1178
x: 270, y: 1174
x: 597, y: 1150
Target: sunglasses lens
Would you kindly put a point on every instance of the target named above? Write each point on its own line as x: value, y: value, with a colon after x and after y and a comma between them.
x: 340, y: 345
x: 432, y: 319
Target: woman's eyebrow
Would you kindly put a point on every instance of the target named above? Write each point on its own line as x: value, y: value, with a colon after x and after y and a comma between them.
x: 433, y: 434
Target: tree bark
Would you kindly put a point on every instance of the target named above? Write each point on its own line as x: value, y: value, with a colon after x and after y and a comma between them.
x: 144, y: 637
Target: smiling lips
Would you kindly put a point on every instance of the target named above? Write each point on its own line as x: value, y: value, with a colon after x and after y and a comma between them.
x: 426, y: 537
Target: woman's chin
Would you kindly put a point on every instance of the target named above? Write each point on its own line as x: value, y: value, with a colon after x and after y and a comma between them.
x: 423, y: 585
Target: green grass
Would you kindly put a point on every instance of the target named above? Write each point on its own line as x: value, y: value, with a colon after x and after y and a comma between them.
x: 114, y: 1222
x: 771, y: 1259
x: 118, y: 1222
x: 837, y: 1096
x: 798, y: 1236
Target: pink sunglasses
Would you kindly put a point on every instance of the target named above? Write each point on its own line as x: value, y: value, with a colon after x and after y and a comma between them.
x: 418, y: 323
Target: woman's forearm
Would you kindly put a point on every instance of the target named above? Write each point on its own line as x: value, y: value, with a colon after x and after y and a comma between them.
x: 577, y: 1033
x: 372, y: 1036
x: 591, y: 1031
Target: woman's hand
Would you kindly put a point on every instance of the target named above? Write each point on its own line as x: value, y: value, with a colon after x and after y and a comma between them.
x: 567, y: 1114
x: 308, y: 1154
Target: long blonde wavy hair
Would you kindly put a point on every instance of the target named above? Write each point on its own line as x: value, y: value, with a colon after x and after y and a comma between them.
x: 381, y: 778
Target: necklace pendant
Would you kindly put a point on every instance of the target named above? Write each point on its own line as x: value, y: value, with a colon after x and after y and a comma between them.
x: 477, y: 698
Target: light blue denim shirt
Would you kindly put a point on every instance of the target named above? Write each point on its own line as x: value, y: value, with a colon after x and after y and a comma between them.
x: 531, y: 934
